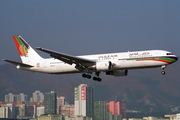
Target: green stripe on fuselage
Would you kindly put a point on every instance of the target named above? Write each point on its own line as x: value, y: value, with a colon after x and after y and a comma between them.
x: 167, y: 59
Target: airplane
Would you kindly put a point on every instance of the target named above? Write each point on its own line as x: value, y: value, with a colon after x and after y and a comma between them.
x: 114, y: 64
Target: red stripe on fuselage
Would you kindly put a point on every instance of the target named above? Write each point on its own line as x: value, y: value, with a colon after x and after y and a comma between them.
x: 156, y: 60
x: 17, y: 45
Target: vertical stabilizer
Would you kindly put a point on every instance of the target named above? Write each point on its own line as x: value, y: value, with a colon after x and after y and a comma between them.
x: 27, y: 54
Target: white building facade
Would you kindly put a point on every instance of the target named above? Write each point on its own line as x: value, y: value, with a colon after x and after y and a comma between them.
x: 84, y: 101
x: 3, y: 112
x: 40, y: 111
x: 10, y: 110
x: 38, y: 96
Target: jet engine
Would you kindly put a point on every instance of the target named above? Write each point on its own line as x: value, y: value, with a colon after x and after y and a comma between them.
x: 104, y: 66
x: 117, y: 73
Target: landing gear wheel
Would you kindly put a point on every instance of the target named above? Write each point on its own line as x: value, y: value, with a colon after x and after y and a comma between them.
x: 84, y: 75
x: 163, y: 69
x: 163, y: 72
x: 94, y: 78
x: 99, y: 79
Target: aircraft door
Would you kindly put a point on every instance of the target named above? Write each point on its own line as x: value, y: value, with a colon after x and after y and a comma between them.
x: 44, y: 64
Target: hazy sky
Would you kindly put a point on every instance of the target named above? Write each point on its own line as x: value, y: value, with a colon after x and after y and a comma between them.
x: 79, y: 27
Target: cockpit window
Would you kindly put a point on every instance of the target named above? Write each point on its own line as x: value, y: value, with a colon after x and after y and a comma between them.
x: 169, y: 54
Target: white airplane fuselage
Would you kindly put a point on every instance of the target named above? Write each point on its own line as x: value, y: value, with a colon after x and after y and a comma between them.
x: 121, y: 61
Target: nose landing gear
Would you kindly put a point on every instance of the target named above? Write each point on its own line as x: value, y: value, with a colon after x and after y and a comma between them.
x: 163, y: 70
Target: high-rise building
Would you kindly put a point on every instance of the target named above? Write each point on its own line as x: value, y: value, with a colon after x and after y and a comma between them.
x: 38, y: 96
x: 35, y: 111
x: 16, y: 98
x: 50, y: 103
x: 6, y: 98
x: 10, y: 98
x: 117, y: 108
x: 60, y: 101
x: 3, y: 112
x: 21, y: 97
x: 10, y: 111
x: 100, y: 110
x: 123, y: 109
x: 84, y: 102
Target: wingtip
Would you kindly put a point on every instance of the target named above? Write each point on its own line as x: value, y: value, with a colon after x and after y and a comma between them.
x: 4, y: 59
x: 39, y: 48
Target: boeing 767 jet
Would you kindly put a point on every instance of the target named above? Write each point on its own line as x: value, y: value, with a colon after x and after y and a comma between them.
x: 115, y: 64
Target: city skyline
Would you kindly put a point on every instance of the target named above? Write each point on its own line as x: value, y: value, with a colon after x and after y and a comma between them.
x: 84, y: 105
x: 61, y: 98
x: 106, y: 110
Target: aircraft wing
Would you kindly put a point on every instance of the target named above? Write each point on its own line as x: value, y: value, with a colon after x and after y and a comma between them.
x: 69, y: 59
x: 18, y: 63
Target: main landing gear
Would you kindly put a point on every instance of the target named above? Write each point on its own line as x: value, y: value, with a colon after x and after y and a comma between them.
x: 163, y: 70
x: 97, y: 78
x: 85, y: 75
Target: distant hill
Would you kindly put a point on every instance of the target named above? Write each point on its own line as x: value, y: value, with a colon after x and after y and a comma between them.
x: 143, y: 90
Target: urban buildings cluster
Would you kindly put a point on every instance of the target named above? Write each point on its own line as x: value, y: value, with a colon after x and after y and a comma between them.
x: 49, y: 105
x: 166, y: 117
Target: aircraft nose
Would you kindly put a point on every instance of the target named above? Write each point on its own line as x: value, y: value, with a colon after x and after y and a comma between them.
x: 176, y: 58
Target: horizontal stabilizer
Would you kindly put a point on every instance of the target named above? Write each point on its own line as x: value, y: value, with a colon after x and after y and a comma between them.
x: 18, y: 63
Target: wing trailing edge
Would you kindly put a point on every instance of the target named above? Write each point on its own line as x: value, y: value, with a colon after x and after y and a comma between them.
x: 69, y: 59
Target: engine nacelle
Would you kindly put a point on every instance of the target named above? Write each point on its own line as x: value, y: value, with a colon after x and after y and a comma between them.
x: 104, y: 66
x: 117, y: 73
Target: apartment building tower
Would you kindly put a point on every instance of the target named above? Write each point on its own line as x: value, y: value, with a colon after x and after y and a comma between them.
x: 50, y: 103
x: 117, y: 108
x: 84, y: 101
x: 100, y: 110
x: 38, y: 96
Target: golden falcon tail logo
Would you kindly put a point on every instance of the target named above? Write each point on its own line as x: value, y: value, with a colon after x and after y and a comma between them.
x: 23, y: 51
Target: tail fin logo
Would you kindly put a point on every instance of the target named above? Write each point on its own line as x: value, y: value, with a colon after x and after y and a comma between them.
x: 22, y: 45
